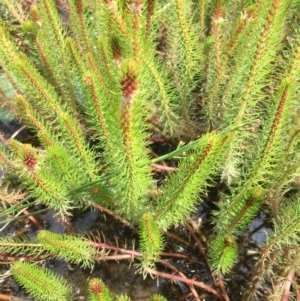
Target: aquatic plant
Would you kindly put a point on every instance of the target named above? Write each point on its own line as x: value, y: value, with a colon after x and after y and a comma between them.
x: 96, y: 82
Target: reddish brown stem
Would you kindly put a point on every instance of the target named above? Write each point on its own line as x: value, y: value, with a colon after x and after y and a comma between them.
x: 113, y: 257
x: 287, y: 284
x: 177, y: 238
x: 175, y: 255
x: 164, y: 167
x: 4, y: 297
x: 202, y: 251
x: 114, y: 248
x: 115, y: 216
x: 222, y: 288
x: 129, y: 254
x: 185, y: 280
x: 191, y: 287
x: 33, y: 220
x: 220, y: 282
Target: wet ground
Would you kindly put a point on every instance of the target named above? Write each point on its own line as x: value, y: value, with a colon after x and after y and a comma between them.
x: 122, y: 276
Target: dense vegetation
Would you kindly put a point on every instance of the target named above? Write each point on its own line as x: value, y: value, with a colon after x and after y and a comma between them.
x: 102, y: 83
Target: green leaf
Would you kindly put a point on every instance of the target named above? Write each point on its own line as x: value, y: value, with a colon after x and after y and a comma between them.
x: 72, y: 248
x: 223, y: 252
x: 152, y: 242
x: 157, y: 297
x: 195, y: 172
x: 41, y: 283
x: 98, y: 291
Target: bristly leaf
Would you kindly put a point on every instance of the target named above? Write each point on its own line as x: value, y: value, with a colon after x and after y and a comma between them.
x: 157, y: 297
x: 21, y: 246
x: 131, y: 164
x: 128, y: 79
x: 286, y: 227
x: 195, y: 173
x: 234, y: 216
x: 41, y: 283
x: 97, y: 81
x: 152, y: 242
x: 251, y: 72
x: 98, y: 291
x: 75, y: 249
x: 40, y: 182
x: 223, y: 253
x: 270, y: 161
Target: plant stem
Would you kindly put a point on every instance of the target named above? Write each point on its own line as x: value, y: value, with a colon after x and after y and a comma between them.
x: 185, y: 280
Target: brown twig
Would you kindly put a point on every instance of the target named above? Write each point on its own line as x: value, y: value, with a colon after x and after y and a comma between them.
x: 33, y: 220
x: 222, y: 288
x: 174, y: 269
x: 115, y: 248
x: 185, y: 280
x: 202, y: 251
x: 175, y: 255
x: 113, y: 257
x: 163, y: 167
x: 287, y: 284
x: 220, y: 282
x: 115, y: 216
x: 177, y: 238
x: 18, y: 131
x: 129, y: 254
x: 4, y: 297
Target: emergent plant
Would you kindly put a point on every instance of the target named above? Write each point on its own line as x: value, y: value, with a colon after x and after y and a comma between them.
x: 96, y: 80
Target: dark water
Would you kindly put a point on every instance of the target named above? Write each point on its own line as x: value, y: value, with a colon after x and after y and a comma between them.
x: 122, y: 277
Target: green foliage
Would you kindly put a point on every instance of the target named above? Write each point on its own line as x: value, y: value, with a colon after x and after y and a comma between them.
x: 197, y: 171
x: 72, y: 248
x: 223, y: 252
x: 41, y: 283
x: 151, y: 241
x: 97, y: 83
x: 157, y: 297
x: 21, y: 246
x: 98, y: 291
x: 283, y: 240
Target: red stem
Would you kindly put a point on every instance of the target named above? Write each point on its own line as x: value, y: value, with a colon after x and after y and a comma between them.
x: 128, y: 254
x: 185, y: 280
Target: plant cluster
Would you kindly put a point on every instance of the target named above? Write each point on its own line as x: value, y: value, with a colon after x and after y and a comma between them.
x: 98, y: 81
